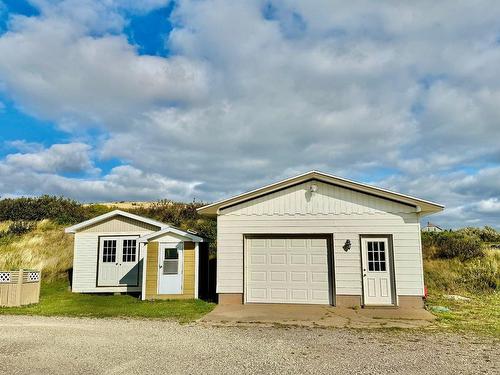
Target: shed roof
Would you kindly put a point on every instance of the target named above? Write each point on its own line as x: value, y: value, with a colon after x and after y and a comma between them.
x: 111, y: 214
x: 421, y: 205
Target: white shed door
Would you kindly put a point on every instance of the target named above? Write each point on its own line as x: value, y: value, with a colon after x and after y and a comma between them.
x: 287, y: 270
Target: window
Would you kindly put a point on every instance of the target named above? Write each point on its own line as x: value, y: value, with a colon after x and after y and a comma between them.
x: 376, y: 256
x: 129, y: 249
x: 171, y: 262
x: 109, y: 251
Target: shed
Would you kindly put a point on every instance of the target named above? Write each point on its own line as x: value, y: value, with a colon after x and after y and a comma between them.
x: 320, y: 239
x: 123, y: 252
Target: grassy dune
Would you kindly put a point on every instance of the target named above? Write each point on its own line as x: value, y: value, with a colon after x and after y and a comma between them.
x: 45, y: 248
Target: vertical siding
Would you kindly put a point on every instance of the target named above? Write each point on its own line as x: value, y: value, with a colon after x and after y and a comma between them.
x: 344, y: 213
x: 152, y: 269
x: 189, y: 269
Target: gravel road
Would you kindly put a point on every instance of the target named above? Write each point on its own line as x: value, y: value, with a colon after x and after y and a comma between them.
x: 37, y: 345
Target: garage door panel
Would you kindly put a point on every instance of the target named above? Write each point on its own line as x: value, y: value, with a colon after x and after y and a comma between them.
x: 293, y: 270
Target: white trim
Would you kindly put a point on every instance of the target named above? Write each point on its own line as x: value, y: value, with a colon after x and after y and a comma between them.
x: 142, y: 247
x: 196, y: 268
x: 214, y: 208
x: 108, y: 215
x: 168, y: 229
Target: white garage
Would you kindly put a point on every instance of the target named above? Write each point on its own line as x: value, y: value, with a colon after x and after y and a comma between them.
x: 287, y: 270
x: 320, y: 239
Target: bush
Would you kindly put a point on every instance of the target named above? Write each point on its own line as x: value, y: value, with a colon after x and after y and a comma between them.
x: 448, y: 245
x: 486, y: 234
x: 59, y: 209
x: 481, y: 275
x: 18, y: 228
x: 183, y: 216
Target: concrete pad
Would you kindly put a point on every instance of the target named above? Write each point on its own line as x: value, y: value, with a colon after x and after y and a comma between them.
x: 317, y: 316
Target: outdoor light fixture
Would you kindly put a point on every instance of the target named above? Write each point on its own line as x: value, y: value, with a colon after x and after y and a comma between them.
x: 313, y: 188
x: 347, y: 245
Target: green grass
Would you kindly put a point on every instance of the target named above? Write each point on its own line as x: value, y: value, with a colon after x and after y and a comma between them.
x: 479, y: 315
x: 56, y: 300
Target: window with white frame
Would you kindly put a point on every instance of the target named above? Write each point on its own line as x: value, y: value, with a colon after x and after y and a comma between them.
x: 109, y: 251
x: 129, y: 250
x: 171, y: 262
x: 376, y: 256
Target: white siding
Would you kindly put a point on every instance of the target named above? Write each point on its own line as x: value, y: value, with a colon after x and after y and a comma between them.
x: 85, y: 254
x: 344, y: 213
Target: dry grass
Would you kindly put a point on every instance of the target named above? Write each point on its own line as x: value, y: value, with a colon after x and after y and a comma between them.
x: 123, y: 205
x: 47, y: 248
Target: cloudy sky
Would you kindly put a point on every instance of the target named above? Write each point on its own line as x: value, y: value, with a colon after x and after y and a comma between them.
x: 126, y: 100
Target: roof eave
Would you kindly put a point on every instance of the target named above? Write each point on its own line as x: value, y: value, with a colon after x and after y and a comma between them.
x: 421, y: 205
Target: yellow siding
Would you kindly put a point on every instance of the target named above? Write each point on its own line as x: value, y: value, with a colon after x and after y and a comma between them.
x: 152, y: 270
x: 152, y: 273
x: 189, y: 269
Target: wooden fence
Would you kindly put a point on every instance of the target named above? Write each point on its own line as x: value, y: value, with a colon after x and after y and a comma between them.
x: 19, y: 288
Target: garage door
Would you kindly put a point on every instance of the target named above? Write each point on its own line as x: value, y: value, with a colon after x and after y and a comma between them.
x: 287, y: 270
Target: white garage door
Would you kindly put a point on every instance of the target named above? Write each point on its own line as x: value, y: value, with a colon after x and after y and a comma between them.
x: 287, y: 270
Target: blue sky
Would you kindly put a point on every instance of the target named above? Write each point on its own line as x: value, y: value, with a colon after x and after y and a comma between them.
x: 125, y: 100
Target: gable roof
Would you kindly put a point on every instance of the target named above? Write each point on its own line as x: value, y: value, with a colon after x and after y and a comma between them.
x: 169, y: 229
x: 421, y: 205
x: 111, y: 214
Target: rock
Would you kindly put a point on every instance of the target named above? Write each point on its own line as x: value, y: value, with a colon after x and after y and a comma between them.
x: 456, y: 297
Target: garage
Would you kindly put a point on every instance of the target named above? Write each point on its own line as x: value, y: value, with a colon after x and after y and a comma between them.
x: 289, y: 269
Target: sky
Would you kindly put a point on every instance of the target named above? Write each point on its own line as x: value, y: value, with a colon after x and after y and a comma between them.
x: 141, y: 100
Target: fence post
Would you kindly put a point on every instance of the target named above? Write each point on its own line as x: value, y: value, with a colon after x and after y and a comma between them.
x: 19, y: 288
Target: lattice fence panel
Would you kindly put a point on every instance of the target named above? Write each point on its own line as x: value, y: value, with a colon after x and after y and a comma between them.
x: 5, y: 277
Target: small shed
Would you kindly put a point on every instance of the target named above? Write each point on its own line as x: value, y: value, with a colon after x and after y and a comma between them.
x: 123, y: 252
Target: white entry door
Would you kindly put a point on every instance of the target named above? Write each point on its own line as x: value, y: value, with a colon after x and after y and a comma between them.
x: 287, y: 270
x: 377, y: 281
x: 170, y: 270
x: 118, y: 261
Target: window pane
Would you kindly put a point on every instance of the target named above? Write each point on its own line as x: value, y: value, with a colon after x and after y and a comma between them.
x: 382, y: 266
x: 370, y: 266
x: 129, y: 250
x: 109, y: 251
x: 370, y: 246
x: 376, y: 266
x: 170, y: 267
x: 171, y: 254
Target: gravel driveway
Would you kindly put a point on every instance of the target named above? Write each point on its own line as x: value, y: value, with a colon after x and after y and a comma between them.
x: 37, y: 345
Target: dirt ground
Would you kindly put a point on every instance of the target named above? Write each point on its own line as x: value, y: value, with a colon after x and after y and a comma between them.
x: 38, y: 345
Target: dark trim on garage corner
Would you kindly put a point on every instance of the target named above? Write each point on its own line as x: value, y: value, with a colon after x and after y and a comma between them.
x: 138, y: 248
x: 318, y: 180
x: 330, y: 257
x: 390, y: 240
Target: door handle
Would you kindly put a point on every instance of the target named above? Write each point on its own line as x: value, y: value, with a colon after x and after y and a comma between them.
x: 116, y: 264
x: 160, y: 266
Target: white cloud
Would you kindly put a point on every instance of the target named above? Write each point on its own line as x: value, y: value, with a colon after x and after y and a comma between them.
x: 59, y: 158
x: 246, y: 97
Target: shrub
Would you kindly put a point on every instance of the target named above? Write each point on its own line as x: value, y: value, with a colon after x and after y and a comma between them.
x: 181, y: 215
x: 480, y: 275
x: 59, y: 209
x: 448, y: 245
x: 486, y: 234
x: 18, y: 228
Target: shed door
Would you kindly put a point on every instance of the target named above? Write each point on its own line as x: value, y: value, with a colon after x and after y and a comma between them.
x: 170, y: 268
x: 287, y: 270
x: 118, y: 261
